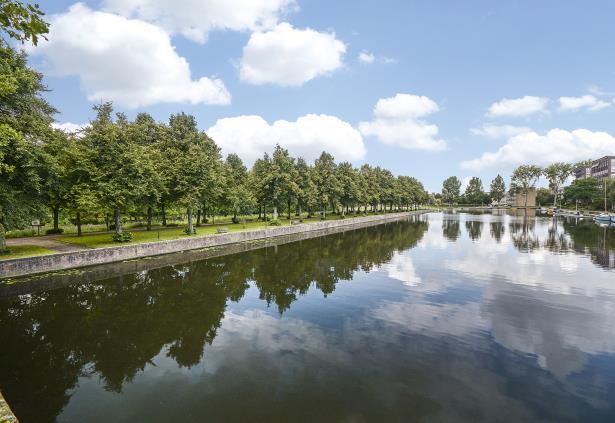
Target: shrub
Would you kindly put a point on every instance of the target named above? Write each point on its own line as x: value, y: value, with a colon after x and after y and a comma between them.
x: 187, y: 231
x: 123, y: 237
x: 275, y: 222
x: 53, y: 231
x: 235, y: 220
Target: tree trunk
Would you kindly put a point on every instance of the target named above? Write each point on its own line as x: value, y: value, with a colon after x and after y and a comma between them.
x: 275, y: 213
x: 260, y: 212
x: 190, y: 225
x: 235, y: 215
x: 149, y: 218
x: 164, y: 215
x: 118, y: 221
x: 2, y: 239
x: 288, y: 211
x: 78, y: 222
x: 107, y: 221
x: 56, y: 218
x: 299, y: 209
x: 198, y: 217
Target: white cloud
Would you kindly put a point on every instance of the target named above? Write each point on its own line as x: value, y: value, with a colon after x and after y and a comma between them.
x: 194, y: 19
x: 499, y: 131
x: 557, y: 145
x: 586, y: 102
x: 288, y: 56
x: 366, y: 57
x: 518, y: 107
x: 397, y: 122
x: 69, y: 126
x: 128, y: 61
x: 251, y: 136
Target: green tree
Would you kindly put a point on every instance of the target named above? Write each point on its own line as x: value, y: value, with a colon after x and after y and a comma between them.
x: 583, y: 190
x: 25, y: 118
x: 346, y: 177
x: 119, y: 167
x: 544, y: 196
x: 238, y: 197
x: 497, y: 189
x: 524, y: 179
x: 307, y: 194
x: 328, y: 187
x: 22, y: 22
x: 557, y: 174
x: 474, y: 191
x: 451, y: 188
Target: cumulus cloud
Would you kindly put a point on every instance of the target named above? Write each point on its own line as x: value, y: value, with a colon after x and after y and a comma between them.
x: 128, y: 61
x: 518, y: 107
x: 69, y: 126
x: 366, y: 57
x: 557, y: 145
x: 194, y: 19
x: 397, y: 121
x: 587, y: 102
x: 289, y: 56
x: 250, y: 136
x: 499, y: 131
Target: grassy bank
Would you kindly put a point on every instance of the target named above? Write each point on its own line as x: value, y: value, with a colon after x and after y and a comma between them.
x: 19, y: 251
x: 163, y: 234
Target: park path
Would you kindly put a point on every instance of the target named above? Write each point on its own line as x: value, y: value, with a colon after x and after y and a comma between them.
x: 49, y: 242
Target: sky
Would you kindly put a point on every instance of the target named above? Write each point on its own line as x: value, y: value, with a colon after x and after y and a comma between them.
x: 428, y: 89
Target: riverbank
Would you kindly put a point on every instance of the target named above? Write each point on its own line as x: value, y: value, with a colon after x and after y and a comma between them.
x: 71, y: 260
x: 6, y: 415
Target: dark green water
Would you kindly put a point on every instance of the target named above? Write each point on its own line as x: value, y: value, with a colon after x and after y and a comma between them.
x: 452, y: 317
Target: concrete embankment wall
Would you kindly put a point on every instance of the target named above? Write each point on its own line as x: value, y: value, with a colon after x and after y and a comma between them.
x: 62, y: 261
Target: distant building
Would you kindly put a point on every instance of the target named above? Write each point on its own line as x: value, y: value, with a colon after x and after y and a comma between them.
x: 599, y: 169
x: 518, y: 199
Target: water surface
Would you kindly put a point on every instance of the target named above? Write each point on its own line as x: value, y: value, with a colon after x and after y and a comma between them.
x: 447, y: 317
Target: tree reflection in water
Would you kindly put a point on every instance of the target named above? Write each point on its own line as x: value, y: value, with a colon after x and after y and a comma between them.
x: 114, y: 328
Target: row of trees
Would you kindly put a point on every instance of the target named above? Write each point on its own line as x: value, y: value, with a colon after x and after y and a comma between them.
x: 525, y: 178
x: 474, y: 193
x: 143, y: 166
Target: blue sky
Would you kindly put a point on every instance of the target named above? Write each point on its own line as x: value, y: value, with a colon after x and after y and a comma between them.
x: 539, y: 75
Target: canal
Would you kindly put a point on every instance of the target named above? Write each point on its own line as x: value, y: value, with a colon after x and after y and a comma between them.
x: 444, y: 317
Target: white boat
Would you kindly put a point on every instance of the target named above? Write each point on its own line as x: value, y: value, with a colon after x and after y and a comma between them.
x: 604, y: 218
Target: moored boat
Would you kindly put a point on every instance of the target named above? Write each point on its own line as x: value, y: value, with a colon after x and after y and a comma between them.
x: 604, y: 218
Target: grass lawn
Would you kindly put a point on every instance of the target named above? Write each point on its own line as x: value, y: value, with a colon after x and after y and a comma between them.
x: 18, y: 251
x: 139, y: 237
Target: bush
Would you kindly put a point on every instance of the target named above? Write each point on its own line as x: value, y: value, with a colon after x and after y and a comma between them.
x: 187, y: 231
x: 123, y: 237
x: 235, y: 220
x: 275, y: 222
x: 53, y: 231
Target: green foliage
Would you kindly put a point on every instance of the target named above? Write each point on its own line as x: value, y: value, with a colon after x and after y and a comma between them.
x: 524, y: 178
x: 190, y: 231
x: 275, y: 222
x: 583, y: 190
x: 544, y: 197
x: 557, y: 174
x: 54, y: 231
x: 22, y: 22
x: 474, y: 193
x: 497, y: 189
x: 122, y: 237
x: 451, y: 189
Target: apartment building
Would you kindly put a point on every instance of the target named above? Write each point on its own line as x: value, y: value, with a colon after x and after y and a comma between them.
x: 599, y: 169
